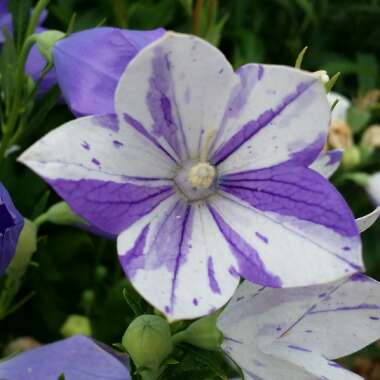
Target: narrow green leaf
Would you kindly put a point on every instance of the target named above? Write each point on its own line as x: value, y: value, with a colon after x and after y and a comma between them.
x: 331, y: 83
x: 299, y: 59
x: 20, y: 10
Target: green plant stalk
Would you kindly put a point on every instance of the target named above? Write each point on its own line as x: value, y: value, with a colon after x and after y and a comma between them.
x: 197, y: 17
x: 20, y: 75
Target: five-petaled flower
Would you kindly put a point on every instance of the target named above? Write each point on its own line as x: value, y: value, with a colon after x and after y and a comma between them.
x: 296, y: 333
x: 11, y: 224
x: 203, y: 175
x: 78, y: 357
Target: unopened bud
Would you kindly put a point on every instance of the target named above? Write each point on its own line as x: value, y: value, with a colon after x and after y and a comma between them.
x: 202, y: 333
x: 371, y: 137
x: 148, y: 341
x: 351, y: 157
x: 61, y: 214
x: 76, y: 324
x: 46, y: 41
x: 340, y: 135
x: 26, y: 246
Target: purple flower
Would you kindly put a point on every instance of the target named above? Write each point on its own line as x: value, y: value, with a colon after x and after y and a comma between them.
x: 203, y: 175
x: 296, y: 333
x: 35, y: 62
x: 11, y: 224
x: 90, y: 63
x: 78, y: 358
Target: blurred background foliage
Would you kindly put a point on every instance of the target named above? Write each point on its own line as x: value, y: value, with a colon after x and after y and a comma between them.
x: 76, y: 273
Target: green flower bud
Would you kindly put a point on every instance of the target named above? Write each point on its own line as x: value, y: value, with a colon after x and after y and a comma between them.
x: 60, y: 214
x: 76, y: 324
x: 351, y: 157
x: 148, y: 341
x: 202, y: 333
x: 46, y: 41
x: 26, y: 246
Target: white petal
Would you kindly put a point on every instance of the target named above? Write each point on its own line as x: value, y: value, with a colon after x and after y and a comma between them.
x: 373, y: 188
x: 178, y: 260
x: 368, y: 220
x: 340, y: 110
x: 290, y: 253
x: 177, y: 89
x: 275, y: 114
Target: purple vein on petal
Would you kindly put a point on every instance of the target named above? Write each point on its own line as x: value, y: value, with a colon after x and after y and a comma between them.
x: 135, y: 124
x: 214, y: 286
x: 252, y: 127
x: 250, y: 265
x: 161, y: 102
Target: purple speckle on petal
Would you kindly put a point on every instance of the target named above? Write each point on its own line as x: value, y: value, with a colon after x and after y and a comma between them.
x: 233, y: 272
x: 262, y: 237
x: 117, y: 143
x: 374, y: 318
x: 211, y: 276
x: 195, y: 302
x: 95, y: 161
x: 85, y: 145
x: 360, y: 277
x: 167, y: 309
x: 346, y: 248
x: 298, y: 348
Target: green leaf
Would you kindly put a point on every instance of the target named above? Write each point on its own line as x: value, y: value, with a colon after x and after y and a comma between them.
x: 299, y: 59
x: 20, y: 10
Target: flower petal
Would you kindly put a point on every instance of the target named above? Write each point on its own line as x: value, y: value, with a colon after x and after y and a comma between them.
x: 302, y: 325
x: 340, y: 110
x: 110, y: 176
x: 179, y: 247
x: 327, y: 163
x: 90, y: 63
x: 306, y: 223
x: 283, y: 115
x: 373, y: 188
x: 368, y: 220
x: 78, y: 358
x: 180, y: 88
x: 11, y: 224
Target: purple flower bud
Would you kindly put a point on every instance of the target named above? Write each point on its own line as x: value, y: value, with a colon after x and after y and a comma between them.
x: 90, y: 63
x: 11, y: 224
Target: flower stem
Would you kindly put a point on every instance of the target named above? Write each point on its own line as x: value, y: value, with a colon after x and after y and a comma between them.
x: 197, y: 17
x: 20, y: 77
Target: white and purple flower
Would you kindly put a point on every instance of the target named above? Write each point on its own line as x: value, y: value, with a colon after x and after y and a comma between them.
x: 203, y: 175
x: 297, y: 333
x: 78, y: 358
x: 11, y: 224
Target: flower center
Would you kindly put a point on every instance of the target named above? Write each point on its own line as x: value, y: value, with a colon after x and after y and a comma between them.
x: 196, y: 180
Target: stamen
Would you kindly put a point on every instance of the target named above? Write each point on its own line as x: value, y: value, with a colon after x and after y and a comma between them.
x: 202, y: 175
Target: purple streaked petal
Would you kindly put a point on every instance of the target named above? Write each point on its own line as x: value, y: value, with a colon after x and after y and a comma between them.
x: 78, y: 358
x: 284, y: 117
x: 322, y: 247
x: 181, y: 85
x: 302, y: 327
x: 90, y: 63
x: 107, y: 185
x: 11, y: 224
x: 180, y: 247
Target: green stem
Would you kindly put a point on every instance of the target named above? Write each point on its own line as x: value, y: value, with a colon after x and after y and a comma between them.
x: 197, y: 17
x: 180, y: 337
x: 20, y: 76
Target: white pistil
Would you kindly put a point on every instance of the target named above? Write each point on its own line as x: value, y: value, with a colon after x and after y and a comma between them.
x: 201, y: 176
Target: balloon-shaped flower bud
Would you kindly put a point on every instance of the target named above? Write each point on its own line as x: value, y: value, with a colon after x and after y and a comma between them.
x: 11, y: 224
x: 76, y: 325
x: 60, y: 214
x: 148, y: 341
x: 202, y: 333
x: 26, y: 246
x: 351, y: 157
x: 46, y: 41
